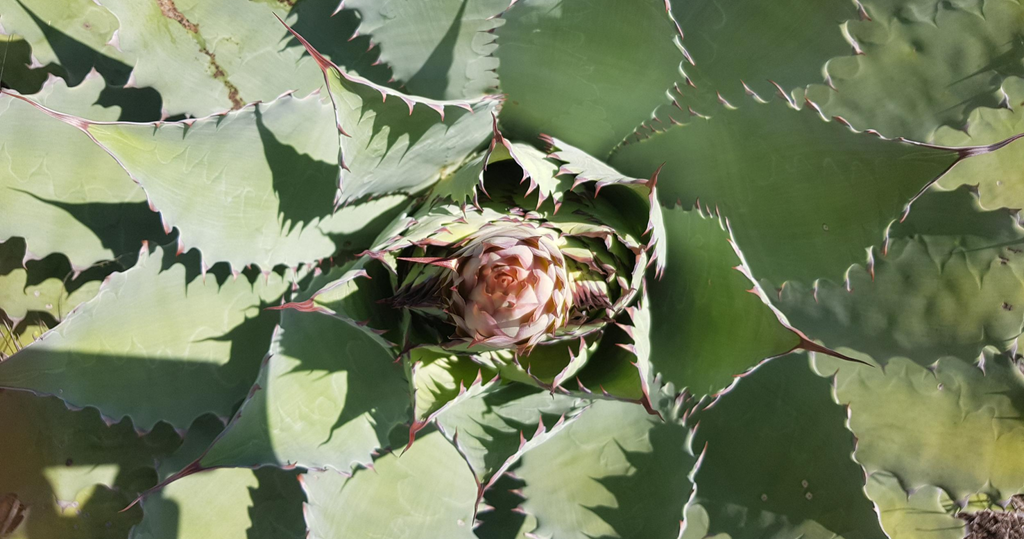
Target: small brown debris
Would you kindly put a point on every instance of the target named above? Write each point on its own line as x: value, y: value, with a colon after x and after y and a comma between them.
x: 169, y: 10
x: 988, y: 524
x: 12, y: 513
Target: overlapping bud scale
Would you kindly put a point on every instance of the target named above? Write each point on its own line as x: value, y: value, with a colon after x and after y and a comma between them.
x: 509, y: 286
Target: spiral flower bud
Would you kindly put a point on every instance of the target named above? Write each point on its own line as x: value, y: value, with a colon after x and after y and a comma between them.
x: 510, y: 287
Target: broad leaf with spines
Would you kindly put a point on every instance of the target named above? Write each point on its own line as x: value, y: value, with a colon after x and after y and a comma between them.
x: 775, y: 460
x: 566, y: 74
x: 439, y: 49
x: 997, y: 175
x: 479, y: 427
x: 80, y: 204
x: 859, y: 183
x: 243, y: 503
x: 939, y: 287
x: 915, y: 422
x: 327, y: 397
x: 152, y: 334
x: 919, y: 65
x: 75, y: 35
x: 734, y: 47
x: 428, y: 490
x: 74, y: 473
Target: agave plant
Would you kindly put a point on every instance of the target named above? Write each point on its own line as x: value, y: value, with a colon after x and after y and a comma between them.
x: 541, y: 269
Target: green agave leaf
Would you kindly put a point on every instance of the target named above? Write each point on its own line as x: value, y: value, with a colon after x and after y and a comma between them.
x: 427, y: 492
x: 45, y: 289
x: 998, y: 175
x: 205, y: 57
x: 551, y: 367
x: 614, y: 472
x: 921, y: 65
x: 335, y: 32
x: 440, y: 50
x: 540, y: 168
x: 77, y: 35
x: 708, y: 321
x: 76, y: 201
x: 18, y: 297
x: 255, y: 186
x: 440, y: 380
x: 504, y: 521
x: 565, y: 74
x: 82, y: 99
x: 734, y: 47
x: 495, y: 429
x: 397, y: 147
x: 70, y: 473
x: 919, y: 422
x: 461, y: 185
x: 151, y: 335
x: 920, y: 514
x: 943, y: 287
x: 327, y: 398
x: 230, y: 503
x: 616, y: 370
x: 19, y: 73
x: 801, y: 206
x: 776, y: 460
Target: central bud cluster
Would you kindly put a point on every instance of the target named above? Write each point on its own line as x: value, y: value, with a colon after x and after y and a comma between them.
x: 510, y: 287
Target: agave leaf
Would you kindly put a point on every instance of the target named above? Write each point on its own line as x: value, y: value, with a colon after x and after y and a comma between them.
x: 550, y: 366
x: 229, y: 503
x: 441, y: 380
x: 732, y: 47
x: 151, y: 335
x: 541, y: 171
x: 440, y: 50
x: 923, y: 512
x: 397, y: 146
x: 77, y: 202
x: 915, y: 422
x: 708, y: 321
x: 19, y: 73
x: 35, y: 295
x: 563, y: 67
x: 428, y: 492
x: 800, y: 480
x: 18, y: 298
x: 74, y: 34
x: 70, y: 473
x: 614, y: 472
x: 921, y: 65
x: 998, y: 175
x: 615, y: 370
x: 801, y: 206
x: 461, y: 185
x: 248, y: 187
x: 494, y: 430
x: 327, y: 397
x: 943, y: 287
x: 204, y: 57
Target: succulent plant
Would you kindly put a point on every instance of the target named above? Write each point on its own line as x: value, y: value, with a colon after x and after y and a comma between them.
x: 480, y: 268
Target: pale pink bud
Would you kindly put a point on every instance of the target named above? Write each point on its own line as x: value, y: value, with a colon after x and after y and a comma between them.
x: 510, y: 287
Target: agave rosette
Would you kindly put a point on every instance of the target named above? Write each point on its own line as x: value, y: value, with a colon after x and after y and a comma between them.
x: 385, y: 280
